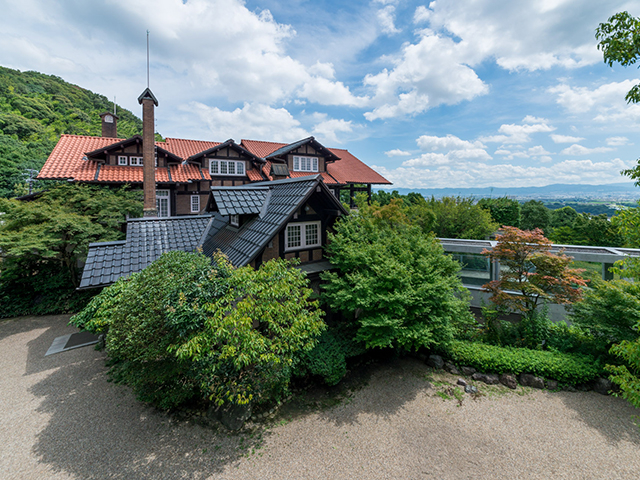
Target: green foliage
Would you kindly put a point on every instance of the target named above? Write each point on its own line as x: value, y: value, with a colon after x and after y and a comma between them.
x: 587, y: 229
x: 504, y: 210
x: 609, y: 311
x: 564, y: 367
x: 535, y: 215
x: 627, y: 377
x: 393, y: 281
x: 458, y: 217
x: 186, y: 330
x: 35, y: 109
x: 563, y: 217
x: 43, y: 240
x: 619, y: 40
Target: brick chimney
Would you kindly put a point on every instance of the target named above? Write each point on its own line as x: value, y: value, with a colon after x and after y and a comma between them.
x: 148, y: 101
x: 109, y: 125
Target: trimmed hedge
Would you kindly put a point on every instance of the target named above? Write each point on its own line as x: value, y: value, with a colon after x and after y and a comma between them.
x: 564, y: 367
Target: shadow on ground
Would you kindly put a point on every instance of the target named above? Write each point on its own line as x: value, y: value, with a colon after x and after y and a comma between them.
x: 99, y: 430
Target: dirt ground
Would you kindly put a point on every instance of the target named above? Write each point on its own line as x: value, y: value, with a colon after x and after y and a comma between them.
x: 60, y: 418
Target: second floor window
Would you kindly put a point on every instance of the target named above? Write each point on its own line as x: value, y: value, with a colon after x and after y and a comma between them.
x: 305, y: 164
x: 195, y: 203
x: 137, y: 161
x: 302, y: 235
x: 226, y: 167
x: 125, y: 160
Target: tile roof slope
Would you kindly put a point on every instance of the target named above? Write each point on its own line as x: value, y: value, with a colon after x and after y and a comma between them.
x: 348, y: 169
x: 239, y: 200
x: 242, y: 245
x: 147, y: 239
x: 66, y: 161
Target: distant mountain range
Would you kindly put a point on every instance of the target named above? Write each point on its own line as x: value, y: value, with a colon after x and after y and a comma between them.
x: 612, y: 191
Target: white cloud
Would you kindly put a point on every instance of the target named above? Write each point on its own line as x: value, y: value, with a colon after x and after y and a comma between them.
x: 534, y: 152
x: 480, y: 174
x: 427, y: 74
x: 618, y: 141
x: 421, y: 15
x: 387, y: 18
x: 576, y: 149
x: 537, y: 151
x: 449, y: 142
x: 397, y: 153
x: 253, y: 121
x: 519, y: 134
x: 327, y: 130
x: 582, y: 99
x: 565, y: 138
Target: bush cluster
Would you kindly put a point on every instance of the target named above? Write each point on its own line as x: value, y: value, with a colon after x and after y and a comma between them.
x: 564, y: 367
x: 185, y: 329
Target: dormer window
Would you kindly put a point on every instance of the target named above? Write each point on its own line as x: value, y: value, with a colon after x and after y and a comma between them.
x: 123, y: 160
x: 305, y: 164
x: 136, y: 161
x: 234, y: 220
x: 133, y: 161
x: 226, y: 167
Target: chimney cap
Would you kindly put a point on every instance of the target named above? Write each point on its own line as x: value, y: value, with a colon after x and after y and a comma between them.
x: 148, y: 95
x: 102, y: 115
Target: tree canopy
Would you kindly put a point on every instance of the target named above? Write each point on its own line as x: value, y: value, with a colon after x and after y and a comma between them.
x: 35, y: 109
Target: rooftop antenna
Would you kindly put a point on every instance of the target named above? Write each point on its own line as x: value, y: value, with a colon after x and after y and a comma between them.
x: 114, y: 104
x: 147, y: 58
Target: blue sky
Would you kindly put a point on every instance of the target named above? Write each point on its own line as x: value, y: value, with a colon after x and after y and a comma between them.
x: 451, y: 93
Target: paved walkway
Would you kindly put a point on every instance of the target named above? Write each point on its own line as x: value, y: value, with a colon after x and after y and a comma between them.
x: 60, y: 418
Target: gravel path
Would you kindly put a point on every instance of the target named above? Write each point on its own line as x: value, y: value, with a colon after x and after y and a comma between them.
x: 60, y: 418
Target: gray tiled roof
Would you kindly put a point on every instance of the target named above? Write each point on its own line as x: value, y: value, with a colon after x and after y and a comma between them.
x: 241, y: 245
x: 147, y: 240
x: 239, y: 200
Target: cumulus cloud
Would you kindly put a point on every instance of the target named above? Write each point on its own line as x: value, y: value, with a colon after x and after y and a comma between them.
x: 448, y: 142
x: 480, y: 174
x: 575, y: 150
x: 387, y: 18
x: 538, y: 152
x: 396, y: 152
x: 565, y: 138
x: 519, y: 134
x: 328, y: 129
x: 618, y: 141
x: 254, y: 121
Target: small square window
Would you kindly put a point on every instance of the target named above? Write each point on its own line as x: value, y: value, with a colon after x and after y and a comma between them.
x: 213, y: 167
x: 234, y: 220
x: 123, y: 160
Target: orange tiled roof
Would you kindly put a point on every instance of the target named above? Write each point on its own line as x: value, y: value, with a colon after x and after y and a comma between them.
x: 185, y: 148
x: 66, y: 162
x: 348, y: 169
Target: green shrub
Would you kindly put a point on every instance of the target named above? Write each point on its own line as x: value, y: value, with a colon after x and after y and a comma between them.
x: 328, y: 359
x: 568, y: 368
x: 609, y: 311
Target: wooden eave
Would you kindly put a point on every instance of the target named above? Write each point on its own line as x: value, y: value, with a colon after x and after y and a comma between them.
x: 100, y: 154
x: 227, y: 144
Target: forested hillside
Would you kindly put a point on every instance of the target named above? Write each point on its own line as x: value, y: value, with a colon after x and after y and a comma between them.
x: 35, y: 109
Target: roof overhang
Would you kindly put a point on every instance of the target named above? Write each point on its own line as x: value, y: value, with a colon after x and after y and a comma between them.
x: 230, y: 144
x: 99, y: 155
x: 326, y: 153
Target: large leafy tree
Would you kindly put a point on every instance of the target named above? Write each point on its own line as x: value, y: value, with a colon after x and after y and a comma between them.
x: 504, y: 210
x: 187, y: 328
x: 535, y: 215
x: 393, y: 281
x: 458, y: 217
x: 619, y: 40
x: 533, y: 271
x: 44, y: 240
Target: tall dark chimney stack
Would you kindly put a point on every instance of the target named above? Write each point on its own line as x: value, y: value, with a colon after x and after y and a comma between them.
x: 148, y: 101
x: 109, y: 125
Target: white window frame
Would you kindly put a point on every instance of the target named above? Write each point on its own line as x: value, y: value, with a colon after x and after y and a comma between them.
x: 162, y: 194
x: 223, y: 167
x: 234, y: 220
x: 305, y: 164
x: 195, y: 202
x: 304, y: 244
x: 123, y: 160
x: 135, y: 161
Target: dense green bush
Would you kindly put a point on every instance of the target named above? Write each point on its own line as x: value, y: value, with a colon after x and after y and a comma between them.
x: 568, y: 368
x: 503, y: 210
x: 393, y: 281
x: 610, y: 311
x: 328, y: 359
x: 185, y: 329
